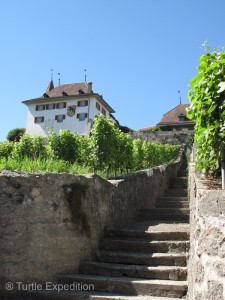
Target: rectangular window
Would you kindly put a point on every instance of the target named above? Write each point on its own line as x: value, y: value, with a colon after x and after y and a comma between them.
x: 103, y: 111
x: 40, y: 107
x: 82, y: 116
x: 50, y: 106
x: 61, y: 105
x: 82, y: 103
x: 39, y: 120
x: 60, y: 118
x: 97, y: 105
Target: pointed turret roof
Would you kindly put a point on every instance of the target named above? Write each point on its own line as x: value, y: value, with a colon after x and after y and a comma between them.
x: 50, y: 86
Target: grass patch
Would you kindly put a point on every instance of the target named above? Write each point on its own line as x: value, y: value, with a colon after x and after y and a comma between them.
x: 45, y: 165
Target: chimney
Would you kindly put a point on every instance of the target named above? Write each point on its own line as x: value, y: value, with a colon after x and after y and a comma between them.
x: 90, y: 87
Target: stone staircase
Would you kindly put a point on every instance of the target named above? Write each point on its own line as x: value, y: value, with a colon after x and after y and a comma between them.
x: 145, y: 260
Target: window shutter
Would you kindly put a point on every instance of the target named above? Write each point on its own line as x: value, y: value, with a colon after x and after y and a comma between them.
x: 54, y: 106
x: 46, y: 106
x: 78, y: 104
x: 64, y: 104
x: 43, y: 107
x: 78, y: 116
x: 36, y: 108
x: 86, y: 103
x: 57, y: 105
x: 56, y: 118
x: 86, y: 115
x: 35, y: 120
x: 42, y: 119
x: 64, y: 116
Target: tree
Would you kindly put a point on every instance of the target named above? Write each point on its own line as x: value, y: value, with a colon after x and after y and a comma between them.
x: 15, y: 135
x: 125, y: 129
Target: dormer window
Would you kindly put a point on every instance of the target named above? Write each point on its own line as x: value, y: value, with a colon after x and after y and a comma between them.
x: 46, y: 95
x: 80, y: 92
x: 182, y: 118
x: 64, y: 93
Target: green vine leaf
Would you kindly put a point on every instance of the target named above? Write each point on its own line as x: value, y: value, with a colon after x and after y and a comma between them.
x: 208, y: 111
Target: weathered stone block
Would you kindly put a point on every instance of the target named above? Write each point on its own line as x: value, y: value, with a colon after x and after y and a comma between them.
x: 206, y: 266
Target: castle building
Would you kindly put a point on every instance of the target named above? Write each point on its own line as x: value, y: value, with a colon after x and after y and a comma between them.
x: 68, y: 106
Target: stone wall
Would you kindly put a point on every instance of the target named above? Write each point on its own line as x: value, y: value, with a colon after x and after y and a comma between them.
x: 165, y: 137
x: 51, y: 222
x: 206, y: 267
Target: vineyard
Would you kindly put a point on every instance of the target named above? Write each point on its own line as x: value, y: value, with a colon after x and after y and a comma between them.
x: 207, y: 94
x: 107, y: 152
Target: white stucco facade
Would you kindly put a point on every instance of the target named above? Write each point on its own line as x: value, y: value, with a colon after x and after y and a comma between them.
x: 69, y: 113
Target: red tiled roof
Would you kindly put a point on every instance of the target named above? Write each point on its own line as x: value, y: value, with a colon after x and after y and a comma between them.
x: 73, y: 90
x: 147, y: 128
x: 70, y: 89
x: 172, y: 116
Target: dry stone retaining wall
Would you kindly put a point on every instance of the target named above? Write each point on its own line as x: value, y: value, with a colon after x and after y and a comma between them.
x: 165, y: 137
x: 49, y: 223
x: 206, y: 267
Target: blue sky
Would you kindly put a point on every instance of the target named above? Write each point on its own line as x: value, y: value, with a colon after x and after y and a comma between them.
x: 138, y: 53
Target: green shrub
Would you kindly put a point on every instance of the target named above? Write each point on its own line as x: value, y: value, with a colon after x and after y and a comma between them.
x: 64, y: 146
x: 30, y: 146
x: 6, y: 149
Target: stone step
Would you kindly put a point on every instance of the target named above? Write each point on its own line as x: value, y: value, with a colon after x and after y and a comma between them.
x: 136, y: 258
x: 172, y: 204
x: 179, y: 180
x: 184, y: 167
x: 178, y: 186
x: 176, y: 193
x: 168, y: 214
x: 137, y: 271
x: 182, y: 173
x: 128, y: 286
x: 155, y: 211
x: 172, y: 199
x: 148, y: 235
x: 71, y: 295
x: 137, y: 245
x: 164, y: 217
